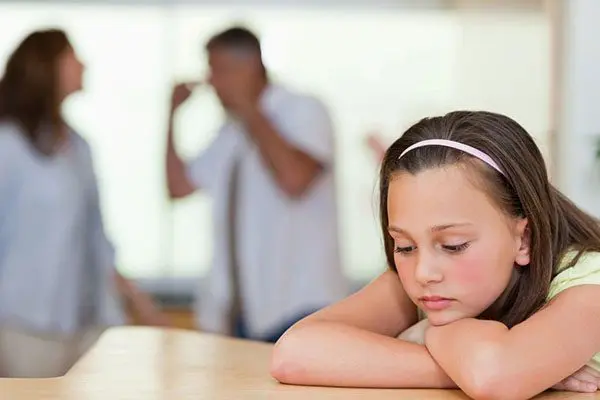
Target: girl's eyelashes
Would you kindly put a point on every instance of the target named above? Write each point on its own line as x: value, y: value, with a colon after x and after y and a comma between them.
x: 450, y: 248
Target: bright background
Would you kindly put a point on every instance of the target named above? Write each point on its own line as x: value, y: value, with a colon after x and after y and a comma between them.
x: 378, y: 68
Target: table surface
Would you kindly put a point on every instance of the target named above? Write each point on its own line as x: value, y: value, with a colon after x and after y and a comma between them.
x: 156, y: 364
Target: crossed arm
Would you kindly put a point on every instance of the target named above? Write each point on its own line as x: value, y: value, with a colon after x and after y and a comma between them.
x: 353, y: 343
x: 482, y: 357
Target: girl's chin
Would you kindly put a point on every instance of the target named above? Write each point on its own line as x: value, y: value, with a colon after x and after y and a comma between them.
x: 444, y: 318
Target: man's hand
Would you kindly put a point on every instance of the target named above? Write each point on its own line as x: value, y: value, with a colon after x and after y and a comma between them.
x: 241, y: 94
x: 181, y: 92
x: 585, y: 380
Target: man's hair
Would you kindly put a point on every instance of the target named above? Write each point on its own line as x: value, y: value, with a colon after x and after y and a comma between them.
x: 235, y: 38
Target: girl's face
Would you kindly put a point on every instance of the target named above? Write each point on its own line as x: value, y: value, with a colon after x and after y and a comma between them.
x: 455, y: 250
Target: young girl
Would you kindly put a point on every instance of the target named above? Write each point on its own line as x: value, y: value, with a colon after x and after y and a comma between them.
x: 504, y: 267
x: 58, y: 284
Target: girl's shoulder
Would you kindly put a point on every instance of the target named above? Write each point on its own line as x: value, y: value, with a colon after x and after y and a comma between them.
x: 585, y: 271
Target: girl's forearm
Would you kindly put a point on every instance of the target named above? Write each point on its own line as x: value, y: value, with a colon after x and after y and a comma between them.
x: 331, y: 354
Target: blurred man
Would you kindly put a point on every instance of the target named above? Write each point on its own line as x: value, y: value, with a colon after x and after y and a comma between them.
x: 270, y: 172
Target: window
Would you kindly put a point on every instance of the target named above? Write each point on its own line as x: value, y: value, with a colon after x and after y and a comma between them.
x: 377, y: 69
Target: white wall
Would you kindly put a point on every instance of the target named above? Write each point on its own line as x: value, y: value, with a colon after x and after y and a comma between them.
x: 379, y: 68
x: 338, y: 4
x: 578, y: 172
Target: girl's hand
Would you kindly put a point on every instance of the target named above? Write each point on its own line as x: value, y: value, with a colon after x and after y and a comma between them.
x: 585, y: 380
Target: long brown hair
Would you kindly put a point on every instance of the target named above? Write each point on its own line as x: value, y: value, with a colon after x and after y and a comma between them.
x: 555, y: 224
x: 29, y: 88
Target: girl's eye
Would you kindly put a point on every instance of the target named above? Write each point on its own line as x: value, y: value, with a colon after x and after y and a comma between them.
x: 404, y: 250
x: 456, y: 248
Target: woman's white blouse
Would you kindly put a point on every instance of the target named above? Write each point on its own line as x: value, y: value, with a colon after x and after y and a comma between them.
x: 56, y: 264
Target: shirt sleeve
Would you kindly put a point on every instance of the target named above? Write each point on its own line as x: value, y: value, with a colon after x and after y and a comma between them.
x: 5, y: 172
x: 104, y: 251
x: 109, y: 308
x: 307, y: 125
x: 8, y: 170
x: 100, y: 246
x: 585, y: 272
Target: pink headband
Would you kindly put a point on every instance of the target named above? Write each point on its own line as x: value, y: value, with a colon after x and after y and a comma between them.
x: 455, y: 145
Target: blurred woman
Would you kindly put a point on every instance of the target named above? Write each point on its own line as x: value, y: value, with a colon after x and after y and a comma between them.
x: 58, y: 284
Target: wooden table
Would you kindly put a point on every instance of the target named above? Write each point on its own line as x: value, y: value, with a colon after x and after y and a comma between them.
x: 155, y: 364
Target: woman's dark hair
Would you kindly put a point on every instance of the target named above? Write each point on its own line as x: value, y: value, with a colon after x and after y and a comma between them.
x: 555, y: 224
x: 29, y: 88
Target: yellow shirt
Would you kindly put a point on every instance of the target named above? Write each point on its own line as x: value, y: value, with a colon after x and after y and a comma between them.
x: 585, y: 272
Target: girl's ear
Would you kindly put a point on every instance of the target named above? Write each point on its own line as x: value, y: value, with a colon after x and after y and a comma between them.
x: 523, y: 236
